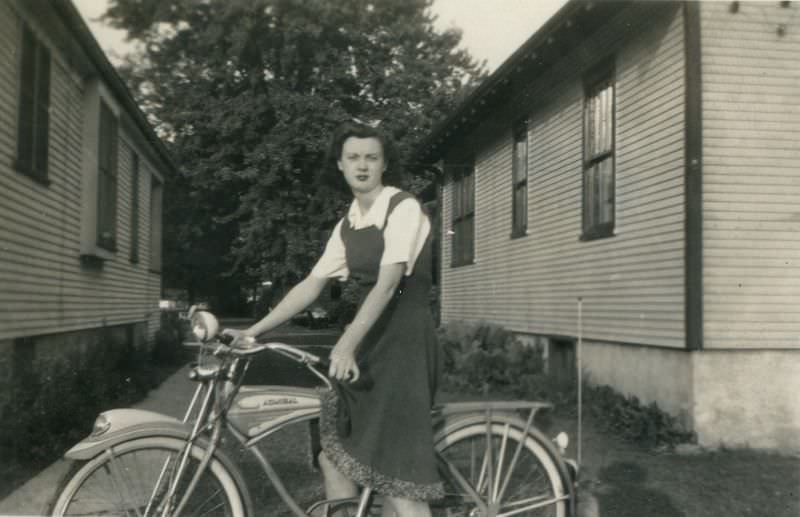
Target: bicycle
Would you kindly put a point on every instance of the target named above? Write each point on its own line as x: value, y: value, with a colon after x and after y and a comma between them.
x: 493, y: 461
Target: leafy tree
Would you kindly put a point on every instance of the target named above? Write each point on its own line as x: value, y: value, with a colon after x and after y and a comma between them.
x: 247, y: 93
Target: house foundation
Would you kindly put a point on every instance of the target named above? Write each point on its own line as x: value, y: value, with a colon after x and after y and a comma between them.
x: 732, y: 398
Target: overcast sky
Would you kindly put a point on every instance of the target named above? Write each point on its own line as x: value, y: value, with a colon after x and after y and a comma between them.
x: 492, y: 29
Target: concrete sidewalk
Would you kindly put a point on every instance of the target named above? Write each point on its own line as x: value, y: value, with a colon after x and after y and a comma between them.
x: 34, y: 497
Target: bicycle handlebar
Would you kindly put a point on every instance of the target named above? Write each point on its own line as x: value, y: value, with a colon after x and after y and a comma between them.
x: 222, y: 347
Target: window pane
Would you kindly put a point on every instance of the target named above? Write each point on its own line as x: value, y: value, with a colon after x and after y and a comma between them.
x: 520, y: 165
x: 457, y: 195
x: 607, y: 121
x: 602, y: 130
x: 103, y: 188
x: 599, y: 135
x: 469, y: 238
x: 457, y: 242
x: 520, y: 207
x: 469, y: 194
x: 605, y: 181
x: 589, y: 197
x: 595, y: 125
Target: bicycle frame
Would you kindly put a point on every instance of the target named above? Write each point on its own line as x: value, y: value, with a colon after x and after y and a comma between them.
x: 253, y: 413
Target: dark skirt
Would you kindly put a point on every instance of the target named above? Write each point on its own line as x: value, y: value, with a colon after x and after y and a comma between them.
x: 388, y: 444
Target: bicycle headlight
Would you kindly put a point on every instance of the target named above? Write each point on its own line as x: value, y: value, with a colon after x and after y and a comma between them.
x: 101, y: 425
x: 204, y: 325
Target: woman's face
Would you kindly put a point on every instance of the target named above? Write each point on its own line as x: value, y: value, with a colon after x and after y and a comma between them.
x: 363, y: 164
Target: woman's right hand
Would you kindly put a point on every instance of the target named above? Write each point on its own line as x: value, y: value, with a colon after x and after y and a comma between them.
x: 241, y: 338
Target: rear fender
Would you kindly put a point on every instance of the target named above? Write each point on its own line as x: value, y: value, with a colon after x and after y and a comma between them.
x: 450, y: 423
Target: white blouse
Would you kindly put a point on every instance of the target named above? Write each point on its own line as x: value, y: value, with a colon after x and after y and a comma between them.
x: 406, y: 230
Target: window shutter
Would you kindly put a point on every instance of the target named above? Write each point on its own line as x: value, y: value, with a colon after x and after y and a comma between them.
x: 134, y: 208
x: 107, y: 179
x: 27, y: 87
x: 42, y: 121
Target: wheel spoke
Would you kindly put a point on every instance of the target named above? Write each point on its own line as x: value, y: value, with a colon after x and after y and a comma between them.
x: 113, y: 468
x: 512, y: 472
x: 532, y: 504
x: 499, y: 469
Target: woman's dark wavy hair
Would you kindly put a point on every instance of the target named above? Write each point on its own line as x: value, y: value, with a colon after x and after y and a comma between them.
x: 330, y: 174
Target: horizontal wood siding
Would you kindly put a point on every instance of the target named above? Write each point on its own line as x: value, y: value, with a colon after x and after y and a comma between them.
x: 632, y: 284
x: 43, y: 287
x: 751, y: 175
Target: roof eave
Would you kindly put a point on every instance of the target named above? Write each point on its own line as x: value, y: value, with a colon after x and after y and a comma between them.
x: 532, y: 53
x: 74, y: 22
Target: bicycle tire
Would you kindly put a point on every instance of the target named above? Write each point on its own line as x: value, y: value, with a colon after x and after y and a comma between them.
x: 120, y: 482
x: 533, y: 478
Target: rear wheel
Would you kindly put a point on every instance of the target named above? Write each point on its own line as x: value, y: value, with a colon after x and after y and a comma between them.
x: 509, y: 472
x: 132, y: 479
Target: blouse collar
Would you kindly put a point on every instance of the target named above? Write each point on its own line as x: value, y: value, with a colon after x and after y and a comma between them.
x: 376, y: 215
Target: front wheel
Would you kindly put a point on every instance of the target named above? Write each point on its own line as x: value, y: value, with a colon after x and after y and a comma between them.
x: 132, y: 479
x: 501, y: 472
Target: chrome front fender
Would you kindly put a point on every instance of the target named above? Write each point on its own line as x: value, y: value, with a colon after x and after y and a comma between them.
x: 129, y: 424
x: 126, y: 424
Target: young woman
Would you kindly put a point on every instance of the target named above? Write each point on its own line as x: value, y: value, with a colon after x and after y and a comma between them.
x: 379, y: 434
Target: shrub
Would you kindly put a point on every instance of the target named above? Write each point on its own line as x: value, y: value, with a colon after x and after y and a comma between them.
x: 54, y: 408
x: 53, y: 404
x: 629, y: 419
x: 485, y: 357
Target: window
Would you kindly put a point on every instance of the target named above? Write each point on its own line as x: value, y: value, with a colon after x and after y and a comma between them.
x: 156, y: 197
x: 134, y: 208
x: 463, y: 250
x: 519, y: 210
x: 598, y: 155
x: 34, y: 107
x: 107, y: 179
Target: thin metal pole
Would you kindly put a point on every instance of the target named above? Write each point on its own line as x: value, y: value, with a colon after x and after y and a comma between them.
x: 578, y: 372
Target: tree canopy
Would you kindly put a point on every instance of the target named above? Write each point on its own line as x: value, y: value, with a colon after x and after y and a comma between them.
x: 246, y: 92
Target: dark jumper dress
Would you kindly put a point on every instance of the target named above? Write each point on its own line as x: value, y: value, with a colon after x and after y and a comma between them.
x: 390, y: 444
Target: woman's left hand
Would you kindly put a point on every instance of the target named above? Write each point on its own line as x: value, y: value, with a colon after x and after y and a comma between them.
x: 343, y: 363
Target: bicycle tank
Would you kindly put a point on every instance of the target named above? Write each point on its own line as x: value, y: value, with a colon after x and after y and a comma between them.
x: 257, y: 409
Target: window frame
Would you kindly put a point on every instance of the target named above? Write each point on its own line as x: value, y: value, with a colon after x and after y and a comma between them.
x: 519, y: 221
x: 107, y: 179
x: 463, y: 214
x: 33, y: 111
x: 596, y: 81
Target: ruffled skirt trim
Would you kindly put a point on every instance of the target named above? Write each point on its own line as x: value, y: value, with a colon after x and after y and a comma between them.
x: 360, y: 473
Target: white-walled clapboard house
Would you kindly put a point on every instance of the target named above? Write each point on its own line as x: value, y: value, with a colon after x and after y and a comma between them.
x: 81, y: 172
x: 641, y: 156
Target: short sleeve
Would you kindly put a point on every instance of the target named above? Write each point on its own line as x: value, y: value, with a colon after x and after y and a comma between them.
x: 333, y: 262
x: 405, y: 233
